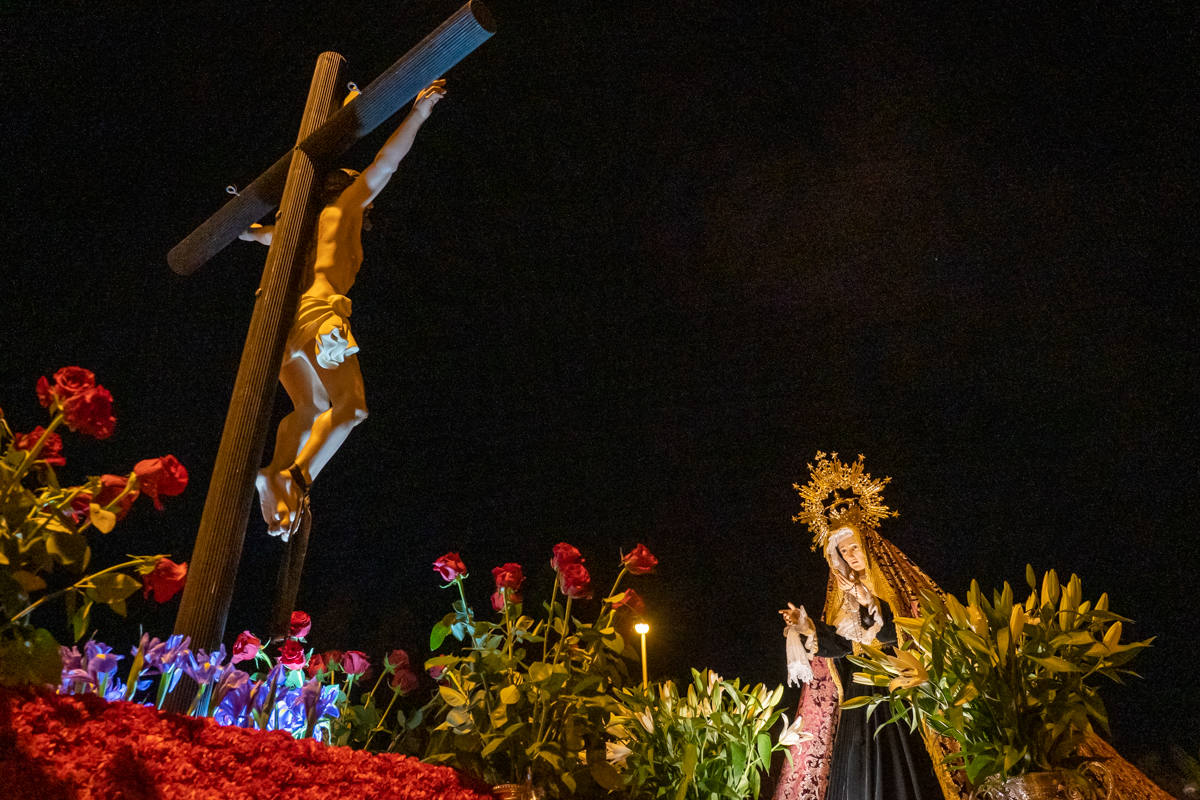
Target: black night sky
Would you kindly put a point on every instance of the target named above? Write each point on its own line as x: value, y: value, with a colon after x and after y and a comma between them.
x: 643, y: 262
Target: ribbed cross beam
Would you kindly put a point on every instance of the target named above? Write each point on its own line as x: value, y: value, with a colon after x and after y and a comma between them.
x: 431, y: 58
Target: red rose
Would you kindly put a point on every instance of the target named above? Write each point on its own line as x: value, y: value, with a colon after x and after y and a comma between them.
x: 317, y: 664
x: 291, y: 655
x: 333, y: 658
x: 300, y: 625
x: 245, y: 648
x: 111, y: 487
x: 397, y: 659
x: 639, y: 561
x: 450, y: 566
x: 70, y: 381
x: 51, y: 451
x: 404, y: 680
x: 355, y: 662
x: 508, y: 576
x: 565, y: 554
x: 437, y: 672
x: 631, y: 600
x: 161, y: 476
x: 90, y: 412
x: 576, y: 582
x: 165, y: 581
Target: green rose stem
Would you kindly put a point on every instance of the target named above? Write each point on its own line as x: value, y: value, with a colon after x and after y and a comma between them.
x: 383, y: 717
x: 543, y: 729
x: 458, y: 581
x: 31, y: 456
x: 566, y: 629
x: 611, y: 608
x: 79, y: 584
x: 371, y: 694
x: 550, y: 617
x: 508, y: 637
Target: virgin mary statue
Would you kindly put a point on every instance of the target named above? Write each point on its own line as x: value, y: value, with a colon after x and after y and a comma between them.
x: 840, y: 756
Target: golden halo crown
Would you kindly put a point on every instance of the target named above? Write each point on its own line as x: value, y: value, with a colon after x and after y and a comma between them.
x: 838, y: 494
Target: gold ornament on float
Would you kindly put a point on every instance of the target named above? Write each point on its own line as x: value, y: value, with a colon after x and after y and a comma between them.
x: 839, y: 494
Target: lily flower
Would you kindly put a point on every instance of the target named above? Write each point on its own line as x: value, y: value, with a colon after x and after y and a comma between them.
x: 910, y: 671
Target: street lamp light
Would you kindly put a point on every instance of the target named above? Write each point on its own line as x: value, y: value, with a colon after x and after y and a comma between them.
x: 642, y: 628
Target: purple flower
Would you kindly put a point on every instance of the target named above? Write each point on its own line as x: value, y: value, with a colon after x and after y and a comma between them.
x: 165, y: 656
x: 229, y: 680
x: 203, y: 667
x: 72, y: 670
x: 115, y: 691
x: 103, y: 664
x: 319, y: 702
x: 71, y: 658
x: 288, y: 713
x: 94, y: 648
x: 234, y: 706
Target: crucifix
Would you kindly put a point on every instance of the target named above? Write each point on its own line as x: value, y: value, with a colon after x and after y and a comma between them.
x: 327, y: 129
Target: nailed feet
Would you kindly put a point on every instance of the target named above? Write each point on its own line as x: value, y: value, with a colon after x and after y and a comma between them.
x: 279, y: 500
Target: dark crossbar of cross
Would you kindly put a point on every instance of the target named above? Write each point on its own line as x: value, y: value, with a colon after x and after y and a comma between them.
x: 432, y: 57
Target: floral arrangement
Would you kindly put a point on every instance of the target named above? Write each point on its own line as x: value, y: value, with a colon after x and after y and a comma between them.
x: 43, y: 526
x: 1010, y: 682
x: 306, y: 694
x: 54, y: 746
x: 712, y: 742
x: 528, y: 700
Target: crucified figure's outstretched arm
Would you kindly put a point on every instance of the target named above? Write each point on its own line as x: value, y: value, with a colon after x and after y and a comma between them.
x: 376, y: 176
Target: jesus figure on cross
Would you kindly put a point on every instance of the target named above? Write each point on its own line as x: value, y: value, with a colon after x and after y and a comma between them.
x: 320, y: 369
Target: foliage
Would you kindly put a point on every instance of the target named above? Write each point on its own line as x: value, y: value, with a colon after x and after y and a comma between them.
x: 530, y: 700
x: 1012, y: 683
x: 712, y: 742
x: 43, y: 527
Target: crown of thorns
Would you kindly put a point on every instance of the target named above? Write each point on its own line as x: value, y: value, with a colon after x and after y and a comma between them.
x: 840, y: 494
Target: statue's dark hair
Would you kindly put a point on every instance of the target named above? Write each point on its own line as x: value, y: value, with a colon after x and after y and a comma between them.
x: 336, y: 182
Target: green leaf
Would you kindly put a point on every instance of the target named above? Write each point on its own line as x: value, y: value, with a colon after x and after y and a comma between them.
x: 28, y: 581
x: 1055, y: 664
x: 764, y: 750
x: 111, y: 587
x: 690, y: 756
x: 438, y: 635
x: 1073, y: 638
x: 452, y: 697
x: 31, y: 658
x: 492, y: 746
x: 604, y: 773
x: 68, y: 548
x: 79, y: 620
x: 860, y: 701
x: 510, y: 695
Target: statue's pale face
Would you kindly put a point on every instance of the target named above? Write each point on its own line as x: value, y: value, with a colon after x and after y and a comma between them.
x: 852, y: 552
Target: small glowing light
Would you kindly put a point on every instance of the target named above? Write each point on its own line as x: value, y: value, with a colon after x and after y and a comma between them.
x: 642, y: 628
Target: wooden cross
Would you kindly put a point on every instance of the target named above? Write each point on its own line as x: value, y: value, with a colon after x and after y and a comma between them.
x: 326, y: 131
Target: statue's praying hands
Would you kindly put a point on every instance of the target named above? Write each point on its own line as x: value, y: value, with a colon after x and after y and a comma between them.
x: 798, y: 617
